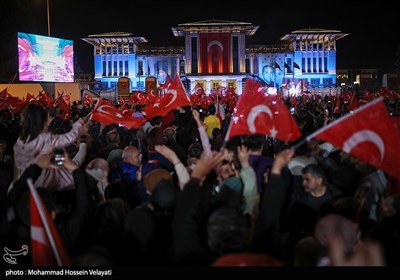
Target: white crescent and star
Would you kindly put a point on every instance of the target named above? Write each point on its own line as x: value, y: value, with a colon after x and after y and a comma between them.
x: 364, y: 136
x: 254, y: 112
x: 100, y: 109
x: 216, y: 43
x: 175, y: 95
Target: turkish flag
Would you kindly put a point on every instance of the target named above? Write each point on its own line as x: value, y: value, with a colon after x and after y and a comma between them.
x: 64, y: 108
x: 131, y: 122
x: 121, y: 100
x: 139, y: 97
x: 353, y: 102
x: 7, y: 101
x: 46, y: 245
x: 15, y: 104
x: 175, y: 97
x: 45, y: 99
x: 369, y: 133
x: 198, y: 90
x: 125, y: 110
x: 397, y: 121
x: 87, y: 100
x: 30, y: 98
x: 257, y: 113
x: 106, y: 113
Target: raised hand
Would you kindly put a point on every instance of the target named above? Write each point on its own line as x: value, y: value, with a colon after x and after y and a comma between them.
x: 205, y: 164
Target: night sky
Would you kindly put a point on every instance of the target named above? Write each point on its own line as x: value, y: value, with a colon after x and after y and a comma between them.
x: 372, y: 43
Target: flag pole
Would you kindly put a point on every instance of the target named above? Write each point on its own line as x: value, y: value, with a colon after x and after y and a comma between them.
x: 275, y: 73
x: 42, y: 214
x: 284, y: 73
x: 322, y: 129
x: 228, y: 131
x: 293, y: 73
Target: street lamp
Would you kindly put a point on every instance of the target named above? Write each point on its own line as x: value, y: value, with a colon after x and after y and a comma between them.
x: 48, y: 19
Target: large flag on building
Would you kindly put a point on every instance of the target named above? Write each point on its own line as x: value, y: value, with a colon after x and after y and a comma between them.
x: 369, y: 133
x: 174, y: 97
x: 46, y: 244
x: 258, y: 113
x: 295, y: 65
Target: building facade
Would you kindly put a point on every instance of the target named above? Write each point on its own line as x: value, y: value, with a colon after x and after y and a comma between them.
x: 215, y: 54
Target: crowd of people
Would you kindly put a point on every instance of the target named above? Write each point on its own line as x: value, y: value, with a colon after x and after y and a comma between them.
x: 173, y: 192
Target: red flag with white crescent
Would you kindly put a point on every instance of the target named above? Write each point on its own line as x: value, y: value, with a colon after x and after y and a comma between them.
x: 46, y: 244
x: 369, y: 133
x: 258, y: 113
x: 174, y: 97
x: 45, y: 99
x: 106, y: 113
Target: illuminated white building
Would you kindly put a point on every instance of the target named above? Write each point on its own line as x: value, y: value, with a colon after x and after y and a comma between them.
x: 215, y: 55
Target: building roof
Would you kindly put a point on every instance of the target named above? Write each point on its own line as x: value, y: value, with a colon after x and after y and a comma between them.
x: 214, y: 25
x: 211, y: 22
x: 313, y: 33
x: 113, y: 37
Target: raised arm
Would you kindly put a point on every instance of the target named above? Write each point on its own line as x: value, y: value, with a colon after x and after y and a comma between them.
x: 205, y: 142
x: 180, y: 169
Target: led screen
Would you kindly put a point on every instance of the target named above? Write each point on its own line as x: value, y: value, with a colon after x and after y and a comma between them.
x: 45, y: 59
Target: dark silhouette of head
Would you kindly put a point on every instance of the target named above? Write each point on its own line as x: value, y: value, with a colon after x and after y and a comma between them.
x: 34, y: 120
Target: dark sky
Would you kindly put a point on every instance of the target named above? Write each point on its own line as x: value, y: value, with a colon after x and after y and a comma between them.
x: 374, y: 32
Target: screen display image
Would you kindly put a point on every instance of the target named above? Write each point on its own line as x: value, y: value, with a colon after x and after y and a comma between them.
x: 45, y: 59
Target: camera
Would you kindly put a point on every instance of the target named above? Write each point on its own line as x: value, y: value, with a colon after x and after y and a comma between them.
x: 59, y: 156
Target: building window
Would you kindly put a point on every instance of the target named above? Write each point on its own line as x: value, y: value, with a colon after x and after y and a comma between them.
x: 309, y: 64
x: 247, y: 63
x: 215, y: 84
x: 303, y: 65
x: 231, y: 83
x: 314, y: 82
x: 202, y: 83
x: 140, y: 67
x: 182, y: 67
x: 113, y: 84
x: 235, y: 54
x: 289, y: 63
x: 126, y: 49
x: 104, y: 85
x: 320, y: 64
x: 195, y: 68
x: 104, y: 67
x: 126, y: 68
x: 314, y: 64
x: 109, y: 69
x: 327, y: 81
x: 121, y: 68
x: 115, y: 69
x: 326, y: 64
